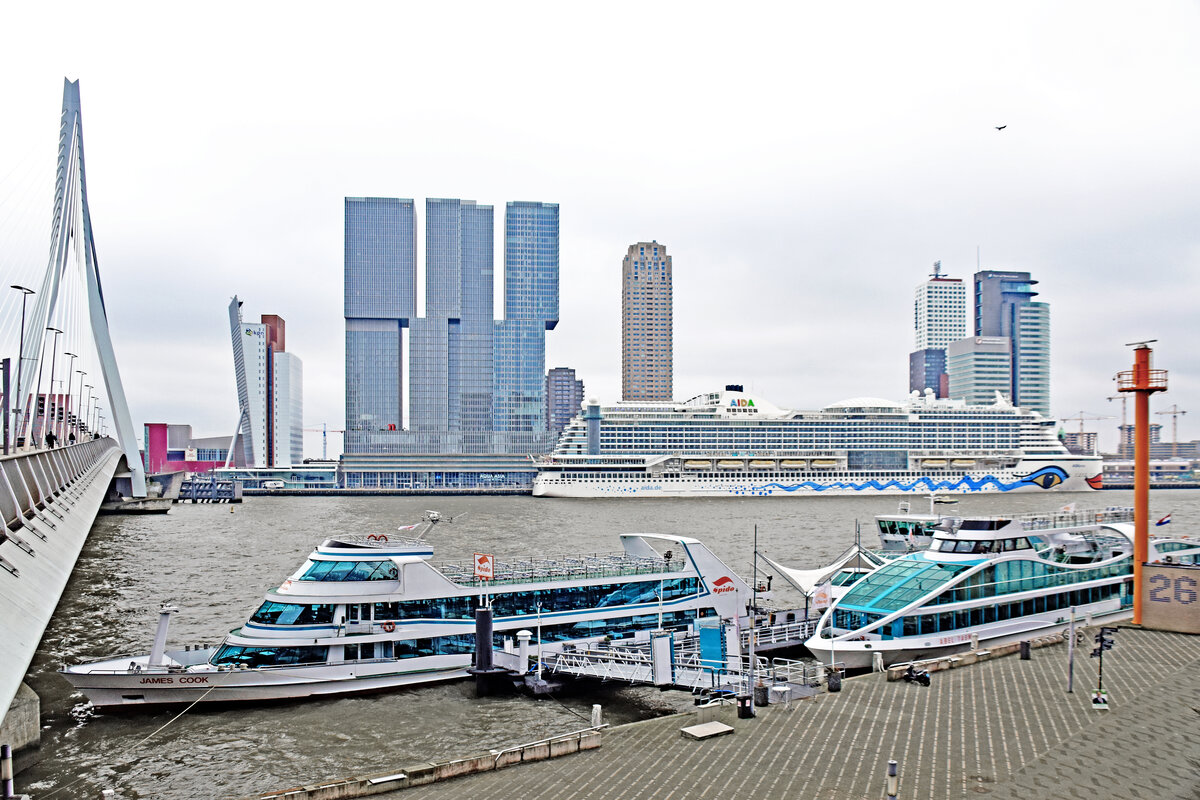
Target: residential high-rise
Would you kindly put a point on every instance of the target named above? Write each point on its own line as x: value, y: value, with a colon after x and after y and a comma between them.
x: 564, y: 397
x: 530, y: 309
x: 939, y: 318
x: 1004, y: 307
x: 270, y: 384
x: 647, y: 353
x: 380, y: 301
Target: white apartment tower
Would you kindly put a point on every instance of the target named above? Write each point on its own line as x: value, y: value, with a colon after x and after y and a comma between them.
x: 647, y: 354
x: 940, y: 311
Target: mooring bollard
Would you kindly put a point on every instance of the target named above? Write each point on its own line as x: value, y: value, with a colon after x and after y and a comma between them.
x: 6, y: 771
x: 893, y: 780
x: 596, y: 716
x: 1025, y: 650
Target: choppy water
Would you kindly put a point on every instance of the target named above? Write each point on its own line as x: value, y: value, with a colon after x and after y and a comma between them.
x: 216, y: 565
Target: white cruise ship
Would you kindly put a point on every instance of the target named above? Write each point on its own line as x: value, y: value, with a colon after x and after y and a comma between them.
x: 733, y: 443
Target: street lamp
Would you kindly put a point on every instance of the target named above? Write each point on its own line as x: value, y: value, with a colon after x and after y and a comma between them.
x: 21, y: 355
x: 52, y: 421
x: 100, y: 420
x: 96, y: 426
x: 67, y: 414
x: 38, y: 395
x: 87, y: 407
x: 79, y: 411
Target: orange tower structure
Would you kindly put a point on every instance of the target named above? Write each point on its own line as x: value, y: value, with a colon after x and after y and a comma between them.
x: 1143, y: 381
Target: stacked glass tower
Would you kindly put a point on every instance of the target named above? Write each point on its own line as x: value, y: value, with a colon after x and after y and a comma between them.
x: 1004, y: 306
x: 530, y: 309
x: 476, y: 384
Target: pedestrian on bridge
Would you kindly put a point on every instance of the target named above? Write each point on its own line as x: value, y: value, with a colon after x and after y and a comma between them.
x: 50, y: 440
x: 71, y: 438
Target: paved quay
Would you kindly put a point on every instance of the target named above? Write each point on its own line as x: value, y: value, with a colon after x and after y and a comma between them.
x: 1002, y: 727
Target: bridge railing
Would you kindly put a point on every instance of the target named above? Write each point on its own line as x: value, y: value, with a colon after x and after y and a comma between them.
x: 31, y: 481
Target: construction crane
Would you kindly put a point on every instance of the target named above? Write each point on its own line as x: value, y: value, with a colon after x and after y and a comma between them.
x: 1081, y: 416
x: 325, y: 431
x: 1175, y: 413
x: 1121, y: 448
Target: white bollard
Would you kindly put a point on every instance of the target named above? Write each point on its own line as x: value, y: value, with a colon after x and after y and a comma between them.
x: 523, y: 638
x: 596, y: 716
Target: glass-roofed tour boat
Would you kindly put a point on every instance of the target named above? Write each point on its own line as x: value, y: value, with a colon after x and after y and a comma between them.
x: 1000, y: 579
x: 364, y: 614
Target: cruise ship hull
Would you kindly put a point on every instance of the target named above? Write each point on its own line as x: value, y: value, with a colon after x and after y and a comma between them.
x: 1076, y: 474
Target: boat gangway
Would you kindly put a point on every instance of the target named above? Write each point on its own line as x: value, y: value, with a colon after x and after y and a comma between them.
x: 676, y: 661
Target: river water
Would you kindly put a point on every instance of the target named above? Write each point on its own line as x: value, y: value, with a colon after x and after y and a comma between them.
x: 216, y: 564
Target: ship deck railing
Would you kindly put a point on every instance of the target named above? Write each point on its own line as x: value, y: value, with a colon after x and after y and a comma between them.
x: 561, y: 568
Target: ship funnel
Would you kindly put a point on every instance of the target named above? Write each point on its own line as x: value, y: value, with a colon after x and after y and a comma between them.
x: 160, y: 635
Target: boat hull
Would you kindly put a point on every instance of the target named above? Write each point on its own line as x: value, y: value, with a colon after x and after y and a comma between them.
x: 859, y: 655
x: 1030, y: 475
x: 131, y: 689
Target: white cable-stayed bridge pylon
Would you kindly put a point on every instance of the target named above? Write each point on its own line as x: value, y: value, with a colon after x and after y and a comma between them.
x: 73, y: 255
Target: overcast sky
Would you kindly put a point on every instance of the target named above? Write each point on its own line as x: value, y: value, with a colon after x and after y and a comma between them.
x: 804, y: 164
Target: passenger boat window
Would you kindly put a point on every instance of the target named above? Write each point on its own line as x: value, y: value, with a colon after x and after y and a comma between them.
x: 270, y: 613
x: 269, y: 656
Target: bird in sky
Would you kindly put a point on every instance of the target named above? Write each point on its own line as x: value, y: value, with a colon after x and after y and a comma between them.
x: 1001, y: 127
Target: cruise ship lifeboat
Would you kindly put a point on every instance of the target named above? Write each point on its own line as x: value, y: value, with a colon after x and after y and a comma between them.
x: 934, y: 462
x: 762, y: 464
x: 727, y: 464
x: 963, y: 462
x: 791, y: 463
x: 697, y: 465
x: 823, y: 463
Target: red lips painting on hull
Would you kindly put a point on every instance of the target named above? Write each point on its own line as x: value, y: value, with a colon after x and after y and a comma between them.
x: 1096, y: 481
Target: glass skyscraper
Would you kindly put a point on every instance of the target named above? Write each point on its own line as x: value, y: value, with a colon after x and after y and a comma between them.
x: 1004, y: 306
x: 476, y: 384
x: 380, y: 301
x: 530, y: 309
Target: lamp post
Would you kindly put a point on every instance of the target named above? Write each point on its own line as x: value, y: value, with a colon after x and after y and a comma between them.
x: 51, y: 422
x: 96, y: 424
x: 21, y: 356
x: 78, y: 418
x: 38, y: 393
x: 100, y: 420
x: 70, y: 378
x: 87, y: 407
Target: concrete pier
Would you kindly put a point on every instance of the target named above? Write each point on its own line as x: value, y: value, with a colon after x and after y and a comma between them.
x: 22, y: 726
x: 1003, y: 727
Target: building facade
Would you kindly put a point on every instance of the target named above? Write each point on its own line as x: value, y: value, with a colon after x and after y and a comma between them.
x: 1004, y: 307
x: 978, y: 368
x: 380, y: 301
x: 939, y: 318
x: 647, y: 345
x: 476, y: 385
x: 270, y: 386
x: 564, y: 398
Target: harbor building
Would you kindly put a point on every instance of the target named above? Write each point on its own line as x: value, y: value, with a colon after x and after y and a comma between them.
x: 173, y: 448
x: 939, y: 318
x: 647, y: 350
x: 1004, y: 307
x: 978, y: 369
x: 564, y: 397
x: 270, y: 386
x: 476, y: 385
x: 380, y: 301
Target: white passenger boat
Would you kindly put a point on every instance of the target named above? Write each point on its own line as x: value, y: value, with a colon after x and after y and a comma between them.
x: 906, y: 532
x: 365, y: 614
x: 735, y: 443
x: 990, y: 580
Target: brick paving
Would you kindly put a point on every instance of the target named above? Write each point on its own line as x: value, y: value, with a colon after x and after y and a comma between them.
x: 1003, y: 727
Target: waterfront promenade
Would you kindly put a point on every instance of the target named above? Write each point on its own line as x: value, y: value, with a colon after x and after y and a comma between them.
x: 1005, y: 728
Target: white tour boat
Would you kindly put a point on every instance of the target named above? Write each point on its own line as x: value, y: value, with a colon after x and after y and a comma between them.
x: 364, y: 614
x: 735, y: 443
x: 990, y: 581
x: 906, y: 531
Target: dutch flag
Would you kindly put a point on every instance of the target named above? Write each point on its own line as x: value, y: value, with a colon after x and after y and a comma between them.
x: 1164, y: 521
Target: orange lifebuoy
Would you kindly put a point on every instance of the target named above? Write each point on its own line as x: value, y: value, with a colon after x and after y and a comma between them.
x: 388, y: 626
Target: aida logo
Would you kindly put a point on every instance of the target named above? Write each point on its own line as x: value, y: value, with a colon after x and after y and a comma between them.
x: 722, y: 585
x: 742, y: 402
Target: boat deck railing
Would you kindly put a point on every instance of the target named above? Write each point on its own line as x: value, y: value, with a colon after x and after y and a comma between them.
x: 377, y: 540
x: 581, y: 567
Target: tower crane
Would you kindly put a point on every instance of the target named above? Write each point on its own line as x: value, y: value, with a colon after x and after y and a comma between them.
x: 1121, y: 448
x: 325, y: 431
x: 1081, y: 416
x: 1175, y: 413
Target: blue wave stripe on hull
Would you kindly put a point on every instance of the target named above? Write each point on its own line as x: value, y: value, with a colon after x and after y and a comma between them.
x: 1043, y: 476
